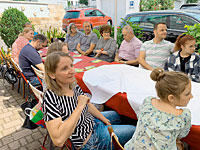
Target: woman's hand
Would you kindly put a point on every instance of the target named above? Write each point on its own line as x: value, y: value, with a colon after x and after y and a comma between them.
x: 83, y: 100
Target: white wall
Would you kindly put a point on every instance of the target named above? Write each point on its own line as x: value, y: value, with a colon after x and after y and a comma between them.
x: 123, y: 8
x: 31, y: 9
x: 108, y: 8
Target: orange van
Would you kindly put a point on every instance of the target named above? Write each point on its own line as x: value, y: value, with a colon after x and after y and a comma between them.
x: 79, y: 16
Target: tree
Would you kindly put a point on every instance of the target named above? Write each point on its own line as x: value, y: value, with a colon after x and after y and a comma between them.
x: 83, y: 2
x: 147, y: 5
x: 11, y: 25
x: 192, y: 1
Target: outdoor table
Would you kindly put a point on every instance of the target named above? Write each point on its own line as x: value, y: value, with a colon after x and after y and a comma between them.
x: 119, y: 102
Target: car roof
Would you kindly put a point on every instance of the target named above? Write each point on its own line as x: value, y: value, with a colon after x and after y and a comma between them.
x: 82, y: 9
x: 190, y: 4
x: 188, y: 12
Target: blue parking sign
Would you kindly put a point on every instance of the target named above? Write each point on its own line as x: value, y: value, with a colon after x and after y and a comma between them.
x: 131, y: 3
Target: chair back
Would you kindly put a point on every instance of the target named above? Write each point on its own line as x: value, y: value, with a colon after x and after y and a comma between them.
x: 39, y: 94
x: 114, y: 139
x: 39, y: 73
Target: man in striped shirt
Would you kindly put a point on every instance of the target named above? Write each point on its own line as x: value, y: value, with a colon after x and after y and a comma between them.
x: 154, y: 53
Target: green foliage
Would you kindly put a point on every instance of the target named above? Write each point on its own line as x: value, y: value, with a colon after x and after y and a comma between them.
x: 11, y: 25
x: 195, y: 32
x: 147, y: 5
x: 97, y: 33
x: 83, y: 2
x: 192, y: 1
x: 136, y: 29
x: 53, y: 33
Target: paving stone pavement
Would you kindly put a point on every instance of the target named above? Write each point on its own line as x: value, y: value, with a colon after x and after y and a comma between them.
x: 12, y: 135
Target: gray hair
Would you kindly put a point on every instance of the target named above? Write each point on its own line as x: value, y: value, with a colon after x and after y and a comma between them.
x: 69, y: 28
x: 128, y: 28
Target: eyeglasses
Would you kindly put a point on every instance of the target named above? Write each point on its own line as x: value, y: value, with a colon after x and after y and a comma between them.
x: 106, y: 32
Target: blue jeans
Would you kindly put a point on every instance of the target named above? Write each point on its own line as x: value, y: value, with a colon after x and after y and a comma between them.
x: 34, y: 81
x: 100, y: 138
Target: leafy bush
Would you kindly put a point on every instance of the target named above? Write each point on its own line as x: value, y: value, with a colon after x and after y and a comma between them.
x: 52, y: 33
x: 136, y: 29
x: 195, y: 32
x: 11, y: 25
x: 147, y: 5
x: 97, y: 33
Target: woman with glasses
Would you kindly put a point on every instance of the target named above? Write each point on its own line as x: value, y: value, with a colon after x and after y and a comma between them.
x: 184, y: 58
x: 106, y: 46
x: 73, y: 36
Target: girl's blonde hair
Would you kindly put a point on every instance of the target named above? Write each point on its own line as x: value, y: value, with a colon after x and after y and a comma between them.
x: 169, y: 83
x: 181, y: 40
x: 55, y: 46
x: 26, y: 30
x: 51, y: 64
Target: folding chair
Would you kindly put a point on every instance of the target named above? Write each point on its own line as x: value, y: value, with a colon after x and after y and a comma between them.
x: 39, y: 94
x: 17, y: 69
x: 114, y: 139
x: 39, y: 73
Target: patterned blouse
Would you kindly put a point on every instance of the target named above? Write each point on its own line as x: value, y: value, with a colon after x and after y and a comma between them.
x: 17, y: 46
x: 55, y: 106
x: 158, y: 130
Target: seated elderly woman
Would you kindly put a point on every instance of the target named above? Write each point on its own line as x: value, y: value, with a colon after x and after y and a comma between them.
x: 68, y: 112
x: 20, y: 42
x: 73, y: 36
x: 106, y: 46
x: 57, y: 46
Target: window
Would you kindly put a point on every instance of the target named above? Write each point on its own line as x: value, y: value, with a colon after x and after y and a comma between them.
x: 72, y: 14
x: 98, y: 13
x: 151, y: 20
x: 178, y: 22
x: 90, y: 13
x: 135, y: 19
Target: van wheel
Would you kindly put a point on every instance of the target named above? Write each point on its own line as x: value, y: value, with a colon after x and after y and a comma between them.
x: 109, y: 22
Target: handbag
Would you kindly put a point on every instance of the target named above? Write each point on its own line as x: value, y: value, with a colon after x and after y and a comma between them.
x: 27, y: 122
x: 10, y: 76
x: 36, y: 115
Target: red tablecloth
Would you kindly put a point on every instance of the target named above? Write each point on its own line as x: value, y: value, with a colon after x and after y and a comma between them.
x: 120, y: 103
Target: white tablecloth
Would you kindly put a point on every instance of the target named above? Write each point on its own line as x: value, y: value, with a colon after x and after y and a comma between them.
x: 106, y: 81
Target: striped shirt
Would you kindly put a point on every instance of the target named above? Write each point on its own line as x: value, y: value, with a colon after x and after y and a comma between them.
x: 157, y: 54
x: 55, y: 106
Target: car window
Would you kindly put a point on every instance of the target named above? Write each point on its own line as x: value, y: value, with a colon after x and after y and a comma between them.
x: 90, y: 13
x: 72, y: 14
x: 151, y: 20
x: 135, y: 19
x: 98, y: 13
x: 178, y: 22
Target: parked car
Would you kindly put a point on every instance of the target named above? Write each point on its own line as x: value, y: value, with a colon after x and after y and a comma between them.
x: 191, y: 6
x: 174, y: 19
x: 93, y: 15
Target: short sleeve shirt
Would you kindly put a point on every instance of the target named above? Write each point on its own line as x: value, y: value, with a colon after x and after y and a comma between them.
x: 86, y: 40
x: 157, y: 54
x: 72, y: 41
x: 158, y: 130
x: 27, y: 57
x: 130, y: 50
x: 55, y: 106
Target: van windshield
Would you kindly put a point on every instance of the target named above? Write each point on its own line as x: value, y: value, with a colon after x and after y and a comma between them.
x: 72, y: 14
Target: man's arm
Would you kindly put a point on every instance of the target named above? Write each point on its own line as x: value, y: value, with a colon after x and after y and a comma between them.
x: 92, y: 46
x: 117, y: 57
x: 142, y: 61
x: 130, y: 62
x: 40, y: 66
x: 79, y: 49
